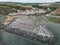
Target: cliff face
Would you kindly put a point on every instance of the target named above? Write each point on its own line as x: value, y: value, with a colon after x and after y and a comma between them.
x: 6, y: 10
x: 57, y: 11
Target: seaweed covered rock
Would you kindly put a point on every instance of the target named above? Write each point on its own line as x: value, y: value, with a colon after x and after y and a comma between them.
x: 27, y: 28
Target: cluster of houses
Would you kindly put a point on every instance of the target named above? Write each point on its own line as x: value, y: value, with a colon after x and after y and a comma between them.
x: 29, y: 12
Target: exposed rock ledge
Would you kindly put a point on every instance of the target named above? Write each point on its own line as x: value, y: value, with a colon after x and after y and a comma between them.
x: 42, y: 35
x: 26, y: 28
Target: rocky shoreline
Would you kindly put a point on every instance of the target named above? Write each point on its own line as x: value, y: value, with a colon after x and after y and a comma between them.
x: 27, y: 28
x: 32, y: 36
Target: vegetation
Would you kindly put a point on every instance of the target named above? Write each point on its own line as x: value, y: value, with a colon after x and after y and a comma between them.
x: 57, y: 14
x: 55, y: 20
x: 45, y: 7
x: 41, y: 7
x: 6, y: 9
x: 38, y: 19
x: 53, y: 8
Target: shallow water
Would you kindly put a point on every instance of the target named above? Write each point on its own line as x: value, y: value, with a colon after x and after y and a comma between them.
x: 55, y: 28
x: 12, y: 39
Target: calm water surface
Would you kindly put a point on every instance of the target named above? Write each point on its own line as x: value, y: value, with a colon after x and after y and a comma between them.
x: 12, y: 39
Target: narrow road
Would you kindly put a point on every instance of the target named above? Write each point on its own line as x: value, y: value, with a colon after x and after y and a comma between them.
x: 50, y: 15
x: 55, y: 16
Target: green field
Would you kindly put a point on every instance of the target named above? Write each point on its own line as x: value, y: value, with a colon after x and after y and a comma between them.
x: 55, y: 20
